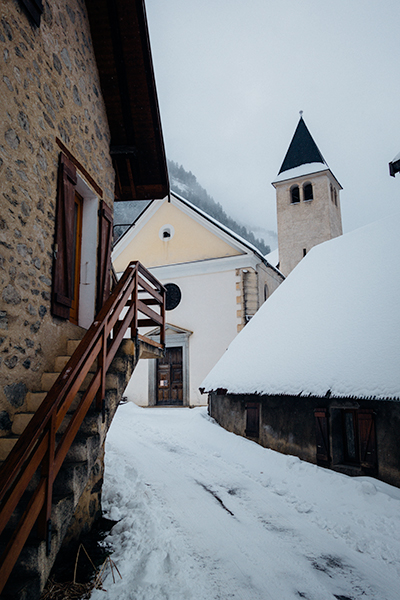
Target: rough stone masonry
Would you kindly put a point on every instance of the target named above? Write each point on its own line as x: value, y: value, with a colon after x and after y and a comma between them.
x: 49, y: 88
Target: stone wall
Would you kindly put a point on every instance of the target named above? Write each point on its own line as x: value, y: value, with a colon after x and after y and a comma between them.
x: 287, y: 425
x: 305, y: 224
x: 49, y: 88
x: 253, y: 287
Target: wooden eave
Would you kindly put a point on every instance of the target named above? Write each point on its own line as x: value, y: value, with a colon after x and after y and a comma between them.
x: 122, y: 48
x: 394, y: 167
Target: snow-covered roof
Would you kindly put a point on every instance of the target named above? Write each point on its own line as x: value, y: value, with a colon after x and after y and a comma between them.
x: 273, y: 257
x: 332, y: 325
x: 396, y: 158
x: 306, y: 169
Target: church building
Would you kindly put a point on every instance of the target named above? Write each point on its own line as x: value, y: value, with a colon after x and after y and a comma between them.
x: 307, y: 196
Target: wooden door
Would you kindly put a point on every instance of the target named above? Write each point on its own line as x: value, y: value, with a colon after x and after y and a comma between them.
x: 170, y: 378
x: 76, y: 274
x: 253, y: 419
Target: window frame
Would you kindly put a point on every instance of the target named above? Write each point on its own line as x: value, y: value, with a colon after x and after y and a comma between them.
x: 308, y: 185
x: 292, y: 190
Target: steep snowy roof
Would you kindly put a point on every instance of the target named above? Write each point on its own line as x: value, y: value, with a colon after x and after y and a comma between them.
x: 333, y: 324
x: 302, y: 149
x: 306, y: 169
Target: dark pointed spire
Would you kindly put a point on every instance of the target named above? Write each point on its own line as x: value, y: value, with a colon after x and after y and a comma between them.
x: 302, y: 149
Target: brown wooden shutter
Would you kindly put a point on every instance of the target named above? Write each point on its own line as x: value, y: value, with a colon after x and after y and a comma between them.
x: 62, y: 283
x: 253, y: 419
x: 104, y: 254
x: 322, y: 435
x: 367, y: 438
x: 34, y: 10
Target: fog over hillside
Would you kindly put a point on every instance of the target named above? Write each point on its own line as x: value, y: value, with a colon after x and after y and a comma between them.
x: 185, y: 184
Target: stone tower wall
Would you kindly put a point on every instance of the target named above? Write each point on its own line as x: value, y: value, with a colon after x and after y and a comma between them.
x: 49, y: 88
x: 305, y: 224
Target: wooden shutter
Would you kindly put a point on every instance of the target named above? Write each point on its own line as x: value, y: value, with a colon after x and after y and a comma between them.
x: 322, y: 435
x: 253, y: 419
x: 34, y: 10
x: 62, y: 282
x: 104, y: 254
x: 367, y: 438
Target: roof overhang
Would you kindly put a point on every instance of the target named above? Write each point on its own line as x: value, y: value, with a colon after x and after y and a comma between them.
x: 122, y: 48
x: 394, y: 166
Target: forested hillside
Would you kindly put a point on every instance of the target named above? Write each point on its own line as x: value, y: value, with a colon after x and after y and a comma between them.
x: 185, y: 184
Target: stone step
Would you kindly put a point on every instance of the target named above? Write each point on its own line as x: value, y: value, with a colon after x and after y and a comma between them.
x: 34, y: 400
x: 7, y: 443
x: 49, y: 379
x: 20, y: 421
x: 72, y: 346
x: 61, y: 361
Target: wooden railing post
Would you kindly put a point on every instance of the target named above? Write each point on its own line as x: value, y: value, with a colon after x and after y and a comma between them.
x: 162, y: 328
x: 134, y: 322
x: 102, y: 365
x: 44, y: 520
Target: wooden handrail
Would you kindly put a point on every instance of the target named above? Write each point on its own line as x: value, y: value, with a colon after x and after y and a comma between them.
x: 38, y: 446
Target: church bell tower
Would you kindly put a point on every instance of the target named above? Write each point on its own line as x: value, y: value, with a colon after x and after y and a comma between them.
x: 307, y: 197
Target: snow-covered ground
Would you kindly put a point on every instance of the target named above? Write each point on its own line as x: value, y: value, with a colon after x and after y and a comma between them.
x: 206, y: 514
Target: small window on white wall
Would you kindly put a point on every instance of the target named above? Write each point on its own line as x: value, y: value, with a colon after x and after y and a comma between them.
x: 166, y: 233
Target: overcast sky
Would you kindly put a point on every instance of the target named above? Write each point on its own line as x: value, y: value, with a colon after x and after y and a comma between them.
x: 232, y: 76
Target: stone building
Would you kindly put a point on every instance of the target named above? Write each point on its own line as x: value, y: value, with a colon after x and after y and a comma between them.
x: 80, y: 127
x: 307, y: 199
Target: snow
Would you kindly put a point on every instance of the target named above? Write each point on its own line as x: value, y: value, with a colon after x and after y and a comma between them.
x: 396, y: 158
x: 306, y: 169
x: 273, y: 258
x: 333, y: 324
x: 205, y: 515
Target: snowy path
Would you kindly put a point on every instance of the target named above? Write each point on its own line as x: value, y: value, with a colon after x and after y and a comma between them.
x: 205, y: 514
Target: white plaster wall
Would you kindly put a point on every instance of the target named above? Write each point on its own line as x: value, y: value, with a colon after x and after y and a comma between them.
x: 208, y: 309
x: 137, y: 388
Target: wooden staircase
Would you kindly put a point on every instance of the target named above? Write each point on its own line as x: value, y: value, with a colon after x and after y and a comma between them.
x: 34, y: 399
x: 53, y: 461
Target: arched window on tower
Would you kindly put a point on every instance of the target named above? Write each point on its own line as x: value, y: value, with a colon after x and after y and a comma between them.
x: 332, y: 192
x: 335, y: 195
x: 294, y: 194
x: 308, y: 192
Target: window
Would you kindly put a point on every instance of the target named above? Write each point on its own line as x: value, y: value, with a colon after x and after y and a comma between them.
x: 166, y: 233
x: 174, y: 296
x: 34, y: 10
x: 304, y: 252
x: 294, y: 194
x: 74, y: 265
x: 308, y: 192
x: 359, y: 442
